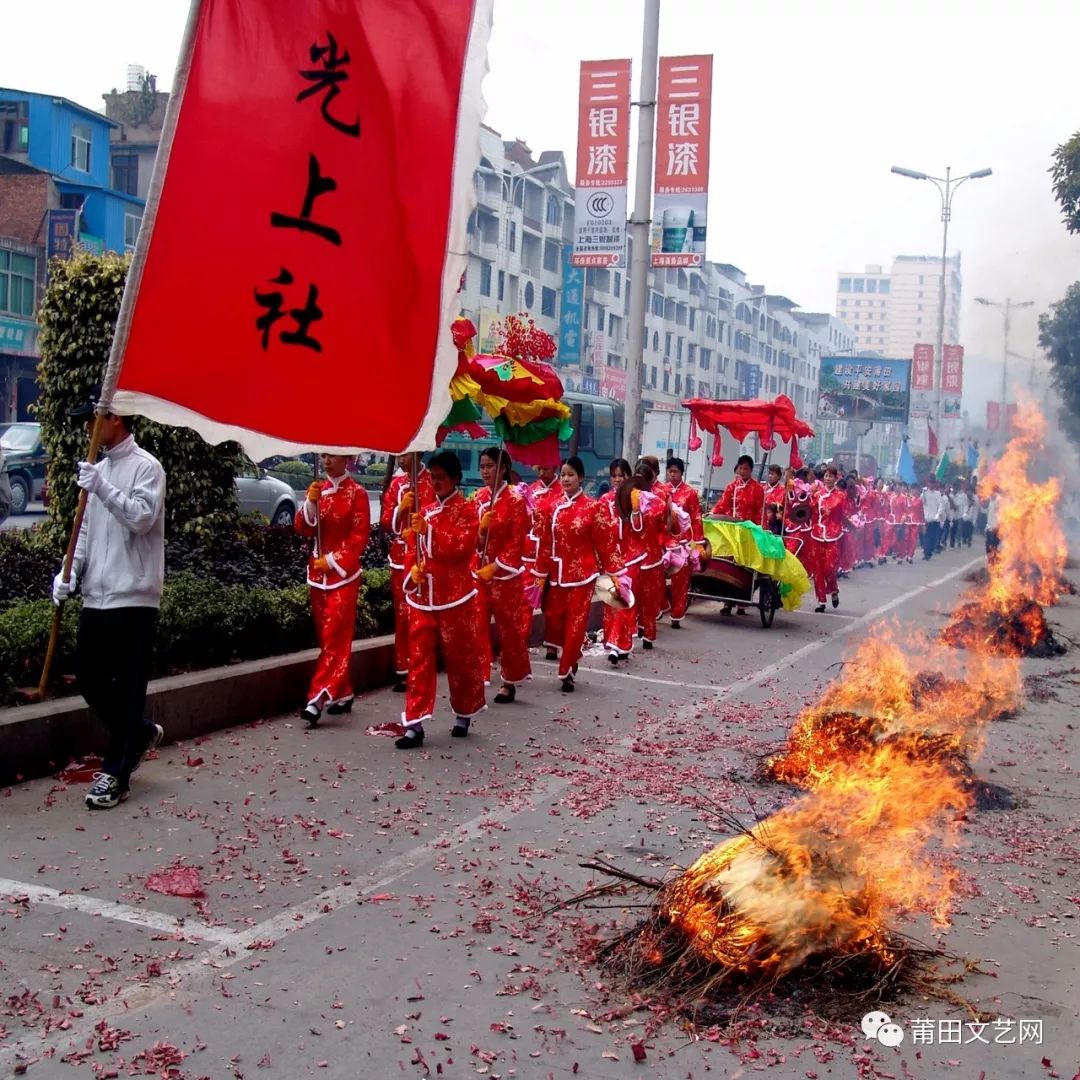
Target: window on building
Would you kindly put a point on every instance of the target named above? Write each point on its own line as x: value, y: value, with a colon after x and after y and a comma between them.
x: 551, y: 257
x: 14, y: 127
x: 655, y: 342
x: 530, y: 294
x: 125, y: 173
x: 80, y: 147
x: 884, y: 285
x: 502, y: 284
x: 547, y: 302
x: 17, y: 274
x: 871, y: 285
x: 72, y: 201
x: 554, y: 210
x: 667, y: 382
x: 512, y: 242
x: 131, y: 230
x: 692, y: 320
x: 612, y: 323
x: 617, y: 288
x: 485, y: 279
x: 920, y: 279
x: 857, y: 285
x: 585, y: 316
x: 667, y: 344
x: 845, y: 284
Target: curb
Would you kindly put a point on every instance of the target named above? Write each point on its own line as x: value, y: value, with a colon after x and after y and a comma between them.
x: 39, y: 740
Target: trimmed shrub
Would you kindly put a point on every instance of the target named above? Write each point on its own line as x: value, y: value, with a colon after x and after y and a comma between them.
x: 202, y: 624
x: 77, y: 317
x: 29, y: 566
x: 300, y: 468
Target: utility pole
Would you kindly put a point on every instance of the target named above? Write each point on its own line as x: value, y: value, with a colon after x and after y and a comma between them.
x: 1006, y: 309
x: 639, y: 231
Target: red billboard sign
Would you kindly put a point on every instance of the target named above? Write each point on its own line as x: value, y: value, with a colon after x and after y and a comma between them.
x: 952, y: 369
x: 681, y: 186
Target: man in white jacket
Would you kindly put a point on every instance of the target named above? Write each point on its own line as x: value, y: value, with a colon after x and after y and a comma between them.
x: 120, y: 564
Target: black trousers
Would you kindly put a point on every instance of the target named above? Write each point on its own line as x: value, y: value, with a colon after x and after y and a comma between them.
x: 931, y: 538
x: 115, y: 648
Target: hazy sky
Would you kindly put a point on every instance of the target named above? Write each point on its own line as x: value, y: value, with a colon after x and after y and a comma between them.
x: 813, y: 102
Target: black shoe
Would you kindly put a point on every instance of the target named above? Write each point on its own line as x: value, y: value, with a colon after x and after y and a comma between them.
x: 460, y: 730
x: 310, y: 714
x: 153, y: 743
x: 646, y: 644
x: 835, y: 599
x: 336, y: 708
x: 551, y: 654
x: 568, y: 684
x: 676, y: 624
x: 820, y: 609
x: 506, y: 695
x: 641, y: 634
x: 613, y: 659
x: 726, y: 609
x: 398, y: 687
x: 105, y: 792
x: 413, y: 738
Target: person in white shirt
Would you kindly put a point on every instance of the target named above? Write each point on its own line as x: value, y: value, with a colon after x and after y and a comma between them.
x: 120, y: 564
x: 959, y: 514
x: 934, y: 514
x: 993, y: 541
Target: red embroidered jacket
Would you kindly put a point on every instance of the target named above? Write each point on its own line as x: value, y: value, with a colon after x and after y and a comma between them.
x: 743, y: 500
x: 685, y: 497
x: 775, y: 495
x: 827, y: 519
x: 577, y: 541
x: 509, y: 529
x: 394, y: 522
x: 447, y: 549
x: 545, y: 496
x: 915, y: 513
x: 344, y: 523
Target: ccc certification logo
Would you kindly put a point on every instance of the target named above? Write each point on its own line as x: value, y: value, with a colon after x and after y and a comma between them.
x: 600, y: 204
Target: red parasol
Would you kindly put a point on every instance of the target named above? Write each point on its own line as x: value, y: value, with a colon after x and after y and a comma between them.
x: 770, y: 420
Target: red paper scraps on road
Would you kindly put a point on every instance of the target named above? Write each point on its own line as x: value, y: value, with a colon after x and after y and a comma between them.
x: 177, y: 881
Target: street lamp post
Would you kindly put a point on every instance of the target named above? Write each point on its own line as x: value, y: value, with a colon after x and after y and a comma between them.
x: 946, y: 186
x: 1006, y: 309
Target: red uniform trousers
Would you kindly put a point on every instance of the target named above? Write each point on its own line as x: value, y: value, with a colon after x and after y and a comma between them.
x: 912, y: 539
x: 824, y: 559
x: 866, y: 534
x: 334, y: 613
x: 680, y: 592
x: 846, y: 555
x: 885, y: 539
x: 513, y: 623
x: 649, y: 597
x: 620, y: 623
x: 401, y: 623
x: 566, y: 620
x: 454, y: 631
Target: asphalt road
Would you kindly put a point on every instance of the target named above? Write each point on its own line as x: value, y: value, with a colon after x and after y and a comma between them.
x: 371, y: 913
x: 35, y: 514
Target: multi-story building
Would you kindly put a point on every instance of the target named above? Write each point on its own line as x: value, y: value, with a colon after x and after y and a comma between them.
x: 56, y: 188
x: 139, y: 113
x: 892, y: 311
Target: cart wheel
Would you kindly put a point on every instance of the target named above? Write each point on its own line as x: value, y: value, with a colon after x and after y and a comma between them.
x: 768, y: 602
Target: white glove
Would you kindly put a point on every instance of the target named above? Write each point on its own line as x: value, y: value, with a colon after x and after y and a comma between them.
x: 62, y: 589
x: 90, y: 478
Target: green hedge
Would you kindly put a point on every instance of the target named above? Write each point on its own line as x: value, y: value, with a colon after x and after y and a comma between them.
x: 202, y: 624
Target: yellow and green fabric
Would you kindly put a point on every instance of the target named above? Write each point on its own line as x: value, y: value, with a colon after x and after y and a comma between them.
x: 751, y: 545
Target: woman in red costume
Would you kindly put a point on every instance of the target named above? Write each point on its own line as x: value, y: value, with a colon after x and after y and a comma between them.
x: 336, y: 512
x: 632, y: 549
x: 546, y: 492
x: 504, y: 525
x: 686, y: 499
x: 577, y: 542
x: 826, y: 529
x: 658, y: 521
x: 441, y: 596
x: 397, y: 506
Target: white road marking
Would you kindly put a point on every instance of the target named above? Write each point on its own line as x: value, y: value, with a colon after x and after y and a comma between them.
x: 233, y: 948
x: 193, y: 929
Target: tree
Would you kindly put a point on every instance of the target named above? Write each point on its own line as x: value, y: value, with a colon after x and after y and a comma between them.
x: 1065, y: 172
x: 77, y: 318
x: 1059, y: 336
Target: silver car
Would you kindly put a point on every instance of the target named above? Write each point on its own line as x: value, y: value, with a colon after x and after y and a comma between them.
x: 258, y: 493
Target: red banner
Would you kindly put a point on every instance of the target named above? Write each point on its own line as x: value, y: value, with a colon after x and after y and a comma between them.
x: 681, y: 186
x: 1010, y: 417
x: 922, y: 367
x: 294, y: 286
x: 952, y: 375
x: 993, y: 415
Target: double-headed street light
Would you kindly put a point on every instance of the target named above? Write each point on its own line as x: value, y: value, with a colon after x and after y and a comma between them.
x: 1006, y: 309
x: 946, y: 186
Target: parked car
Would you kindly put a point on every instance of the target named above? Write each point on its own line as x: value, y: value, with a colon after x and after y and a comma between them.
x: 24, y: 460
x: 256, y: 492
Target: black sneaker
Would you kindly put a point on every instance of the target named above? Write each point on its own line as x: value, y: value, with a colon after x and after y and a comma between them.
x: 413, y: 738
x: 398, y: 687
x: 310, y: 715
x: 568, y: 684
x: 646, y: 643
x: 153, y: 743
x: 551, y: 654
x: 835, y: 599
x: 460, y: 730
x: 676, y: 624
x: 336, y: 708
x: 105, y: 792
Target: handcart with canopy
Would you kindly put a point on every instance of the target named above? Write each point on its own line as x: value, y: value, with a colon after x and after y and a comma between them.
x: 742, y: 559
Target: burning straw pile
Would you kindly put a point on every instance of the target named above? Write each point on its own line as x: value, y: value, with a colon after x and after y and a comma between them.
x: 1005, y: 617
x: 883, y: 700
